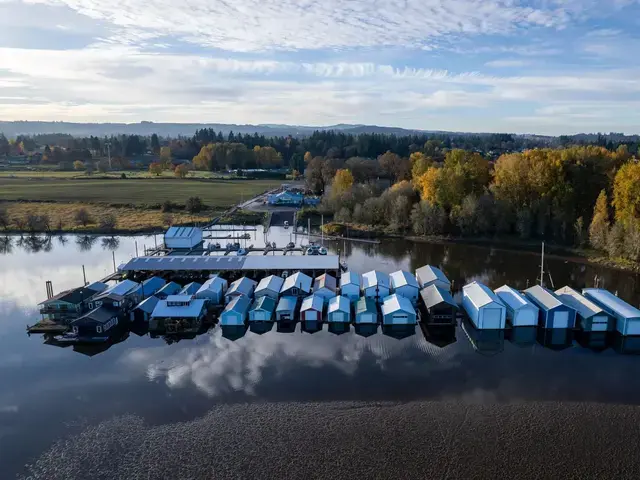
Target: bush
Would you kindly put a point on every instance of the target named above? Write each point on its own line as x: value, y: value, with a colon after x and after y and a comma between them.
x: 37, y: 223
x: 344, y: 215
x: 82, y: 217
x: 108, y: 222
x: 168, y: 206
x: 167, y: 219
x: 194, y: 205
x: 4, y: 217
x: 123, y: 176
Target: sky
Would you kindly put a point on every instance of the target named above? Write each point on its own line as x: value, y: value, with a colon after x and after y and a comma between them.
x: 535, y: 66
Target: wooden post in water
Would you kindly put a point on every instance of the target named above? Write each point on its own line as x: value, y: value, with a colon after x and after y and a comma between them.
x: 114, y: 261
x: 84, y: 275
x: 155, y: 239
x: 542, y: 267
x: 136, y: 243
x: 322, y: 229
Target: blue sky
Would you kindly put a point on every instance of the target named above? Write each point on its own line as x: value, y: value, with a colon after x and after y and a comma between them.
x: 537, y: 66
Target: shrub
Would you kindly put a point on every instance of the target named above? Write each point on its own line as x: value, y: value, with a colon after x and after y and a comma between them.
x: 168, y: 206
x: 108, y: 222
x: 4, y: 217
x: 194, y: 204
x: 82, y: 217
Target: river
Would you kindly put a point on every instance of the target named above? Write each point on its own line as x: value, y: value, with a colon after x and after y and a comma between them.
x: 144, y: 384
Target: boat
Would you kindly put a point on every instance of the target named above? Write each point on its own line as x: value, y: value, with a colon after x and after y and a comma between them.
x: 322, y: 251
x: 313, y: 250
x: 241, y: 252
x: 291, y: 246
x: 216, y: 245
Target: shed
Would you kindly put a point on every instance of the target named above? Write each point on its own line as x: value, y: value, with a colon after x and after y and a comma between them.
x: 262, y: 309
x: 235, y: 313
x: 520, y: 311
x: 213, y: 290
x: 326, y: 286
x: 339, y: 310
x: 553, y: 312
x: 286, y: 309
x: 591, y: 317
x: 484, y: 308
x: 405, y: 284
x: 366, y: 311
x: 142, y: 312
x: 429, y: 275
x: 96, y: 323
x: 397, y: 310
x: 296, y: 285
x: 171, y: 288
x: 311, y: 309
x: 243, y: 287
x: 627, y: 317
x: 350, y: 284
x: 439, y: 306
x: 376, y: 285
x: 182, y: 237
x: 190, y: 288
x: 269, y: 286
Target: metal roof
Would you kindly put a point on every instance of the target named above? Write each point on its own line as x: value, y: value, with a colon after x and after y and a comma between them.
x: 432, y: 296
x: 148, y: 304
x: 325, y: 281
x: 612, y: 303
x: 99, y: 315
x: 190, y: 288
x: 243, y: 286
x: 239, y: 304
x: 513, y: 298
x: 181, y: 232
x: 312, y: 302
x: 350, y: 278
x: 152, y: 284
x: 272, y: 282
x: 97, y: 286
x: 339, y: 304
x: 291, y: 262
x: 543, y: 297
x: 74, y: 296
x: 366, y: 305
x: 375, y: 278
x: 480, y: 295
x: 215, y: 284
x: 585, y: 307
x: 264, y: 303
x: 430, y: 273
x: 287, y: 304
x: 302, y: 281
x: 169, y: 289
x: 221, y: 263
x: 192, y: 310
x: 120, y: 288
x: 402, y: 278
x: 395, y: 303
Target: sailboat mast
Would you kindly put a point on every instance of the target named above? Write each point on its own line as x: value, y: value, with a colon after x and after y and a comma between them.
x: 542, y: 267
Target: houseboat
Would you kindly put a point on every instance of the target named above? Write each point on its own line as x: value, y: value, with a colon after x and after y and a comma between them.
x: 429, y: 275
x: 350, y: 285
x: 286, y: 309
x: 366, y: 311
x: 296, y: 285
x: 589, y: 316
x: 627, y: 317
x: 262, y: 309
x: 312, y: 308
x: 521, y: 312
x: 376, y: 285
x: 121, y: 296
x: 269, y: 287
x: 171, y: 288
x: 405, y: 284
x: 94, y: 326
x: 484, y: 308
x: 70, y: 304
x: 235, y: 313
x: 339, y: 310
x: 213, y: 290
x: 398, y: 310
x: 553, y: 312
x: 178, y: 313
x: 325, y: 286
x: 243, y: 287
x: 438, y: 306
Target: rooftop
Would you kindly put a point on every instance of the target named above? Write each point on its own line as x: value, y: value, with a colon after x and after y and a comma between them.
x: 287, y: 303
x: 238, y: 304
x: 402, y: 278
x: 148, y: 304
x: 585, y: 307
x: 298, y: 279
x: 366, y: 304
x: 429, y: 273
x: 612, y: 303
x: 513, y: 298
x: 433, y: 295
x: 339, y: 304
x: 480, y: 295
x: 264, y: 303
x: 120, y: 289
x: 272, y: 282
x: 350, y: 278
x: 374, y: 278
x: 312, y: 302
x: 182, y: 232
x: 99, y: 315
x: 544, y: 297
x: 192, y: 310
x: 394, y: 303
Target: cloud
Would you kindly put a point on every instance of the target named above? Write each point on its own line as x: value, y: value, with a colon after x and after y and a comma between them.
x: 507, y: 63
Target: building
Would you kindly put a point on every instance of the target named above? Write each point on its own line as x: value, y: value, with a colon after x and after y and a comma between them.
x: 553, y: 312
x: 405, y: 284
x: 122, y: 295
x: 178, y: 313
x: 590, y: 317
x: 326, y: 286
x: 142, y: 312
x: 150, y: 287
x: 262, y: 309
x: 339, y: 310
x: 171, y: 288
x: 182, y: 237
x: 376, y: 285
x: 350, y: 285
x: 213, y: 290
x: 627, y: 317
x: 366, y: 311
x: 270, y: 287
x: 243, y: 287
x: 439, y: 307
x: 484, y: 308
x: 312, y: 201
x: 311, y: 309
x: 296, y: 285
x: 398, y: 310
x: 96, y: 323
x: 235, y: 313
x: 429, y: 275
x: 286, y: 198
x: 286, y: 309
x: 190, y: 288
x: 69, y: 304
x: 520, y: 311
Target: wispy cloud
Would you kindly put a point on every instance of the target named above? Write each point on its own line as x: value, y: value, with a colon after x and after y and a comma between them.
x: 507, y: 63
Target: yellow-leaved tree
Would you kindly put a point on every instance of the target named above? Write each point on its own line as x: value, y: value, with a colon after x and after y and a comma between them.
x: 419, y: 164
x: 599, y: 228
x: 428, y: 183
x: 307, y: 157
x: 342, y: 182
x: 626, y: 192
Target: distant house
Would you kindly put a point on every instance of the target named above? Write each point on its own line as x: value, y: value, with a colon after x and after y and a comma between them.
x: 182, y: 237
x: 311, y: 309
x: 190, y: 289
x: 213, y: 290
x: 269, y: 286
x: 326, y: 286
x: 122, y: 295
x: 262, y: 309
x: 376, y: 285
x: 350, y: 284
x: 286, y: 309
x: 366, y: 311
x: 398, y: 310
x: 429, y: 275
x: 405, y: 284
x: 96, y: 323
x: 339, y: 310
x: 70, y: 303
x: 171, y: 288
x: 235, y: 313
x: 243, y: 287
x: 483, y: 307
x: 142, y: 312
x: 296, y: 285
x: 553, y: 312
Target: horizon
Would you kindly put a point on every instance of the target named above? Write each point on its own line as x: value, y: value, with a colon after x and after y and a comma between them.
x: 533, y: 67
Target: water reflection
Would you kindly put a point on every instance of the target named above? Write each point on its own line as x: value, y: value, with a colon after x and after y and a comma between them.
x: 311, y: 326
x: 366, y: 329
x: 233, y: 332
x: 626, y: 345
x: 440, y: 336
x: 339, y: 328
x: 260, y: 328
x: 86, y: 242
x: 6, y: 245
x: 399, y: 332
x: 485, y: 342
x: 110, y: 243
x: 522, y: 336
x: 555, y: 338
x: 595, y: 341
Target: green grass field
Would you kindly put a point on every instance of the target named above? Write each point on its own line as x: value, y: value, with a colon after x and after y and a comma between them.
x: 214, y: 193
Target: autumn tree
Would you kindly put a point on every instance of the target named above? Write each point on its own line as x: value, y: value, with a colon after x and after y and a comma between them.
x: 342, y: 181
x: 307, y: 158
x: 165, y: 156
x: 78, y: 165
x: 465, y: 173
x: 428, y: 183
x: 626, y: 192
x: 156, y: 169
x: 181, y: 170
x: 599, y: 228
x: 363, y: 169
x: 394, y: 166
x: 419, y: 164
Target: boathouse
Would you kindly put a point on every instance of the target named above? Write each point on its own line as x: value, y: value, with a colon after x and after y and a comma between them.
x: 213, y: 290
x: 235, y: 313
x: 376, y: 285
x: 70, y: 303
x: 627, y: 317
x: 366, y: 311
x: 182, y: 237
x: 142, y: 312
x: 150, y: 287
x: 243, y: 287
x: 553, y: 312
x: 339, y: 310
x: 326, y: 286
x: 397, y: 310
x: 429, y: 275
x: 521, y: 312
x: 262, y: 309
x: 350, y: 285
x: 171, y: 288
x: 96, y: 323
x: 405, y: 284
x: 296, y: 285
x: 122, y: 295
x: 183, y: 309
x: 269, y: 287
x: 483, y: 307
x: 311, y: 309
x: 590, y: 317
x: 190, y: 288
x: 286, y: 309
x: 438, y: 305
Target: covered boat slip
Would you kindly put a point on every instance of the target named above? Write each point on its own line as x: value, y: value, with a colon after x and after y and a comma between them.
x: 553, y: 312
x: 438, y: 306
x: 521, y: 312
x: 590, y: 317
x: 484, y: 308
x: 627, y: 317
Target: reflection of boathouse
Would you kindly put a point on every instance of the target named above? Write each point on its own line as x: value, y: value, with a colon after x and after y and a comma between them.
x: 485, y: 342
